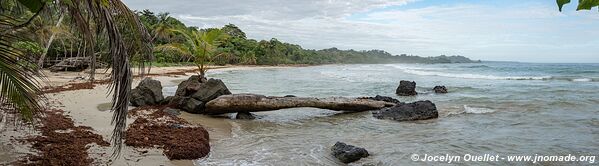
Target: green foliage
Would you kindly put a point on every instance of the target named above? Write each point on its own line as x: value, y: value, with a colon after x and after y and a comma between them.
x: 28, y: 47
x: 202, y: 45
x: 582, y: 4
x: 18, y: 86
x: 233, y: 31
x: 174, y: 45
x: 561, y: 3
x: 33, y: 5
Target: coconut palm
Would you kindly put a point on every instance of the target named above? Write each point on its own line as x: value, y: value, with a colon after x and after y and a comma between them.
x: 127, y: 37
x: 202, y: 45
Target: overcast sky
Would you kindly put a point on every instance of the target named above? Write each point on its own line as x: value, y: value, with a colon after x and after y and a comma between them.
x: 507, y: 30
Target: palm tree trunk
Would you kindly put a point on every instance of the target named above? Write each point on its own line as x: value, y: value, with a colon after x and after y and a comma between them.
x: 40, y: 62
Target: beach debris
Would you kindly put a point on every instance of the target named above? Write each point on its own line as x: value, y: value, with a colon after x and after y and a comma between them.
x: 406, y: 88
x: 440, y: 89
x: 148, y: 92
x: 420, y: 110
x: 192, y: 94
x: 71, y: 64
x: 255, y: 103
x: 245, y: 115
x: 61, y: 142
x: 348, y: 153
x: 179, y: 139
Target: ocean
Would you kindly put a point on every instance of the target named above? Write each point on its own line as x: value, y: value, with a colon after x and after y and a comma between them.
x: 495, y: 108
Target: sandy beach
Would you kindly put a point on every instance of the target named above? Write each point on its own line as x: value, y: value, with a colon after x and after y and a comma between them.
x: 90, y: 107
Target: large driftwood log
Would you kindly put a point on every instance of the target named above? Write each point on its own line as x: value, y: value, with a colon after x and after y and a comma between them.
x: 255, y: 103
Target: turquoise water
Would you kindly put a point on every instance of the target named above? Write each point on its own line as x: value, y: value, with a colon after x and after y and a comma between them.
x: 491, y: 108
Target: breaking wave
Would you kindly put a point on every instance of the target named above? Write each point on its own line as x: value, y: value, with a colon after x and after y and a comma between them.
x: 475, y: 76
x: 477, y: 110
x: 440, y: 72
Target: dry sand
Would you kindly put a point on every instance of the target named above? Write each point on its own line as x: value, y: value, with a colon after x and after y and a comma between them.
x: 88, y: 107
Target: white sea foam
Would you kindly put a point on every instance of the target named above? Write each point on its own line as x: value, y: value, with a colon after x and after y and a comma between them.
x: 582, y: 80
x: 477, y: 110
x: 436, y: 72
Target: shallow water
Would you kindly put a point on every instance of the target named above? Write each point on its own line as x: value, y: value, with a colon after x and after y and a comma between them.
x: 491, y: 108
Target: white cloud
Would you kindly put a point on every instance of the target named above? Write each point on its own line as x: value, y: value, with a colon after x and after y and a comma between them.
x: 479, y: 31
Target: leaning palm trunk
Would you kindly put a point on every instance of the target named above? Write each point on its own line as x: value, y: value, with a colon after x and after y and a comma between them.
x: 40, y: 62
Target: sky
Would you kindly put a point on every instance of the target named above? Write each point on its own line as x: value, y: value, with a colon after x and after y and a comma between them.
x: 506, y: 30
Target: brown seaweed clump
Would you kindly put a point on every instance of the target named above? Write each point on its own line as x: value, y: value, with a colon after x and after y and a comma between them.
x: 61, y: 142
x: 179, y: 139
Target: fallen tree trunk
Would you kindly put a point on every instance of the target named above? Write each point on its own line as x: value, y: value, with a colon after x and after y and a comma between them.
x: 256, y: 103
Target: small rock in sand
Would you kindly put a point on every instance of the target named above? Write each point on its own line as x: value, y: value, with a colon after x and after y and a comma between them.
x: 245, y: 115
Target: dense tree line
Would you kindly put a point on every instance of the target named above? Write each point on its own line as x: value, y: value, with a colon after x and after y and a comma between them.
x: 238, y: 49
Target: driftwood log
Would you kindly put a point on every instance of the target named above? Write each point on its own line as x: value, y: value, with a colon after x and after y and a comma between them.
x: 256, y: 103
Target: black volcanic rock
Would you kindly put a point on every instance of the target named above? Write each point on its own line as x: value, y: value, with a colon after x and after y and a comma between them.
x: 193, y: 93
x: 384, y: 98
x: 245, y: 115
x: 440, y: 89
x: 348, y: 153
x: 406, y: 88
x: 148, y: 92
x: 420, y: 110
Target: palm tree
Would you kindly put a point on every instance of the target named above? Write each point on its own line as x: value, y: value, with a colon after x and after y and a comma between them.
x: 203, y: 45
x: 162, y: 28
x: 19, y: 88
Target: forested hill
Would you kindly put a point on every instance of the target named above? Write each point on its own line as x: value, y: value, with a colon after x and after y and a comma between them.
x: 238, y: 49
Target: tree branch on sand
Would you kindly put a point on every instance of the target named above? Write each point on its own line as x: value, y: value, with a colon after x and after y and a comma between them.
x: 256, y: 103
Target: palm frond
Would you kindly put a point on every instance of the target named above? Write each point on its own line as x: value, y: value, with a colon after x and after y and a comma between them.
x: 121, y: 75
x: 177, y: 47
x: 19, y: 89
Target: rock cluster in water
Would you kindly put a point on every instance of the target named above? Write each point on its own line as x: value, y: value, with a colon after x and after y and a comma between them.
x: 193, y: 93
x: 348, y: 153
x: 148, y: 92
x: 440, y: 89
x: 420, y: 110
x: 406, y: 88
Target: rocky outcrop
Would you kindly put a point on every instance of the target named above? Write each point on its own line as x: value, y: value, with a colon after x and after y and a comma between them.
x: 385, y: 99
x: 148, y: 92
x: 348, y: 153
x: 440, y: 89
x: 189, y: 86
x: 420, y: 110
x: 406, y: 88
x: 193, y: 93
x: 245, y: 115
